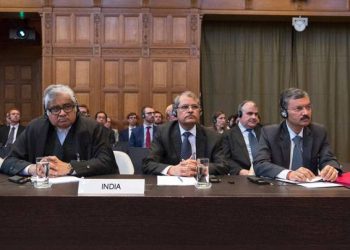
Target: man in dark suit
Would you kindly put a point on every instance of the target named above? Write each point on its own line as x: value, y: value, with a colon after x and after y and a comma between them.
x: 142, y: 136
x: 9, y: 134
x: 101, y: 118
x: 240, y: 142
x: 167, y: 154
x: 125, y: 134
x: 73, y: 144
x: 296, y: 149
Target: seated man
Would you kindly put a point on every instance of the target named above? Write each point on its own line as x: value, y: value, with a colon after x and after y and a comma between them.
x: 73, y: 144
x: 296, y: 149
x: 177, y: 143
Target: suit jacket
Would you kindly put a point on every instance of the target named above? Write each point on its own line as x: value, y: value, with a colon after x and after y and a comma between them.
x: 4, y: 132
x: 166, y: 149
x: 137, y: 136
x: 273, y: 154
x: 235, y: 149
x: 124, y: 135
x: 88, y: 137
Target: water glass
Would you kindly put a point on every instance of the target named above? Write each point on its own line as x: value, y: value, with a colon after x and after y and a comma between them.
x: 203, y: 173
x: 42, y: 173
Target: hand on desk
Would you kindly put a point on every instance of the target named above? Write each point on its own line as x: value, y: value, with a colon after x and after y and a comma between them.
x: 329, y: 173
x: 301, y: 174
x: 184, y: 168
x: 58, y: 167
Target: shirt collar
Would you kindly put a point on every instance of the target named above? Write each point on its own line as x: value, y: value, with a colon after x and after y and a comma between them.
x: 192, y: 130
x: 292, y: 134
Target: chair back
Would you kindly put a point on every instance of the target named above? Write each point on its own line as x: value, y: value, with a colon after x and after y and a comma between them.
x: 137, y: 155
x: 124, y: 163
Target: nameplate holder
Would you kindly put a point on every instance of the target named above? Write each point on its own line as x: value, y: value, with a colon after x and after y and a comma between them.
x: 111, y: 187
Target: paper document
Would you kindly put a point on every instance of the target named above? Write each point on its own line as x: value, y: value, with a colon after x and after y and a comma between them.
x: 320, y: 184
x: 63, y: 179
x: 175, y: 181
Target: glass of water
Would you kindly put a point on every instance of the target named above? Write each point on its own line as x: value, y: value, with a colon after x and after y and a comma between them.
x: 203, y: 173
x: 42, y: 173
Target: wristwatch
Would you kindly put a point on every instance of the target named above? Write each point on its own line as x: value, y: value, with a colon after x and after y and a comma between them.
x: 71, y: 170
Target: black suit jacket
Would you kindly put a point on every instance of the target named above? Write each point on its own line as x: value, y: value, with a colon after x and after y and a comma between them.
x: 166, y: 149
x: 137, y: 136
x: 89, y: 138
x: 124, y: 135
x: 235, y: 149
x: 4, y: 132
x: 273, y: 154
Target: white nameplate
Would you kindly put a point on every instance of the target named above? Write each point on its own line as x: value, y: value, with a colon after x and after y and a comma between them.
x: 111, y: 187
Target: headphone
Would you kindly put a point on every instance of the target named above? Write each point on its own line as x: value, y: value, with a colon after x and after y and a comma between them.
x: 174, y: 110
x: 239, y: 109
x: 283, y: 110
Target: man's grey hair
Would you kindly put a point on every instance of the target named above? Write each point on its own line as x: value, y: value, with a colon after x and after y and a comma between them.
x: 52, y: 91
x: 187, y: 93
x: 291, y: 93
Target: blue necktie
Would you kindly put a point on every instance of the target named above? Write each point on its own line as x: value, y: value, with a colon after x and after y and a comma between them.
x: 10, y: 137
x: 253, y: 142
x: 186, y: 150
x: 297, y: 160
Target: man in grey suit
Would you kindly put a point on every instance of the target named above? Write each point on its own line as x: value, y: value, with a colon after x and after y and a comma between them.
x: 296, y: 149
x: 167, y: 154
x: 240, y: 142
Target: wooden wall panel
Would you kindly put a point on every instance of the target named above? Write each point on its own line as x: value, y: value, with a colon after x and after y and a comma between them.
x: 111, y: 29
x: 62, y: 73
x: 111, y: 104
x: 82, y: 27
x: 10, y: 92
x: 159, y: 74
x: 10, y: 72
x: 63, y: 29
x: 111, y: 74
x: 83, y: 98
x: 131, y: 30
x: 26, y: 72
x: 82, y: 73
x: 179, y: 74
x: 26, y: 92
x: 326, y: 5
x: 159, y: 30
x: 160, y: 102
x: 131, y: 103
x: 179, y: 30
x: 131, y: 74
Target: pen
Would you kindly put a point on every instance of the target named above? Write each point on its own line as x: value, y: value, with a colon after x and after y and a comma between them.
x: 180, y: 179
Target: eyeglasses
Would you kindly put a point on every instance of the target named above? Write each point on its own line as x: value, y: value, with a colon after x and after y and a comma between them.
x: 132, y: 117
x: 149, y: 113
x: 298, y: 109
x: 187, y: 107
x: 67, y: 108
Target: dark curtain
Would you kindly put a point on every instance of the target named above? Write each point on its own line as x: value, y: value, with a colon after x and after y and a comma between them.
x: 257, y: 60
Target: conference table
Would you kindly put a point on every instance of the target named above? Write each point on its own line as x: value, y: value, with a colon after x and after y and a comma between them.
x: 242, y: 215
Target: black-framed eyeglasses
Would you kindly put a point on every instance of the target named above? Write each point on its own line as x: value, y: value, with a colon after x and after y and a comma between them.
x: 188, y: 107
x: 67, y: 108
x: 149, y: 113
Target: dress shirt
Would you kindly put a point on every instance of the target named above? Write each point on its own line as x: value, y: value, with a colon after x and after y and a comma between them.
x: 130, y: 130
x: 192, y: 140
x: 245, y: 134
x: 283, y: 174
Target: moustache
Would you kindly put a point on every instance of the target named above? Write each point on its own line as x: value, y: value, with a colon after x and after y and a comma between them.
x: 305, y: 117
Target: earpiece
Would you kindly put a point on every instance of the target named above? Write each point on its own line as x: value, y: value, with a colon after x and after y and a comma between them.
x: 283, y: 110
x: 174, y: 111
x: 284, y: 113
x: 239, y: 109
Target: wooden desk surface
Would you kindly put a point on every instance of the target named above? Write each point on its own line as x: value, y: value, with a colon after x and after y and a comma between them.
x: 227, y: 216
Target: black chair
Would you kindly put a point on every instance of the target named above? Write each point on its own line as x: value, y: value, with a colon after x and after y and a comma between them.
x: 136, y: 155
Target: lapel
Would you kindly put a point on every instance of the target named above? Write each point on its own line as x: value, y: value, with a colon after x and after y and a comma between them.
x: 238, y: 136
x: 41, y: 136
x: 200, y: 142
x: 307, y: 146
x: 176, y: 137
x: 284, y: 144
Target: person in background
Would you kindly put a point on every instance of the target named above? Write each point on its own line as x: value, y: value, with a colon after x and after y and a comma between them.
x: 232, y: 120
x: 170, y: 113
x: 108, y: 125
x: 9, y: 133
x: 142, y: 136
x: 125, y: 134
x: 84, y: 110
x: 73, y: 144
x: 101, y: 118
x: 295, y: 149
x: 177, y: 143
x: 219, y: 122
x: 240, y: 143
x: 158, y: 118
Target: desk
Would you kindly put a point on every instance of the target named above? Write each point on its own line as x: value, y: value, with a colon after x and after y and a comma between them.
x: 238, y: 216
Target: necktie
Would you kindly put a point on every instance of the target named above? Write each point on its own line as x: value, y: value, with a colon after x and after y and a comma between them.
x: 10, y: 137
x: 253, y: 142
x: 297, y: 160
x: 186, y: 150
x: 148, y: 137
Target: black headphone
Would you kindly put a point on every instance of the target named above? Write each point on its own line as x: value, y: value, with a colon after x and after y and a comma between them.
x: 283, y: 110
x: 174, y: 110
x: 239, y: 109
